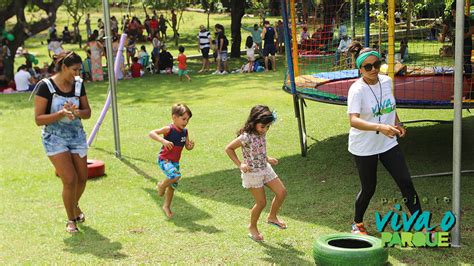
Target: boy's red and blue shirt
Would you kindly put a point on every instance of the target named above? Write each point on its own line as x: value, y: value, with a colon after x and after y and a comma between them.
x: 178, y: 138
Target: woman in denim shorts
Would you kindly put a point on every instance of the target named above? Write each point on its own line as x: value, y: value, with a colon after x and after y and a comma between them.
x: 60, y: 104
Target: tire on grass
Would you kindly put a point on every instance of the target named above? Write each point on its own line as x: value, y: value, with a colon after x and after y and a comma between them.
x: 349, y: 249
x: 95, y: 168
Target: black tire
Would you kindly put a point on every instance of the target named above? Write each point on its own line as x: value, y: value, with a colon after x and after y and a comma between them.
x: 349, y: 249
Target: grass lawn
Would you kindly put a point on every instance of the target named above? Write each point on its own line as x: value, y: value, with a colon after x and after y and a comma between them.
x: 125, y: 223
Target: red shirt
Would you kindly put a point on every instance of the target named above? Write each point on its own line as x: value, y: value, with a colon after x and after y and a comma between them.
x: 178, y: 138
x: 182, y: 62
x: 154, y: 24
x: 136, y: 67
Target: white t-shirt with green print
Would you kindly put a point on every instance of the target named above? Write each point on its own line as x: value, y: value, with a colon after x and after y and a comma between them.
x: 366, y: 100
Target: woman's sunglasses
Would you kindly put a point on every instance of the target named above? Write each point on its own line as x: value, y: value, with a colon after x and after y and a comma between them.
x: 376, y: 65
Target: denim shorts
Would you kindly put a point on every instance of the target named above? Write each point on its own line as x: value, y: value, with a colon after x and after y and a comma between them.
x: 170, y: 169
x: 60, y: 141
x: 223, y: 56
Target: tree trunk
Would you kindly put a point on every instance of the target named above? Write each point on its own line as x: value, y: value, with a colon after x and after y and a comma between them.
x: 22, y: 29
x: 237, y: 12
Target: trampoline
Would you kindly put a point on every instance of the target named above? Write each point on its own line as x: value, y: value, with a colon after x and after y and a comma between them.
x: 428, y: 91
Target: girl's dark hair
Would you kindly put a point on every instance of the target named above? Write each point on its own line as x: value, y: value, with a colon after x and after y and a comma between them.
x: 67, y: 58
x: 249, y: 42
x: 219, y: 26
x: 258, y: 114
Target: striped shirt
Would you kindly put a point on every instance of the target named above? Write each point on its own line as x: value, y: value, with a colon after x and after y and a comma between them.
x: 204, y: 39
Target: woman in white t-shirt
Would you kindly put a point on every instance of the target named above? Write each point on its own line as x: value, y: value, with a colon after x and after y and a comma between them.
x: 372, y: 137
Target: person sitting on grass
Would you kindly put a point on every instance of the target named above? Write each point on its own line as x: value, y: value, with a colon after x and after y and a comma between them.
x: 182, y: 66
x: 256, y: 170
x: 165, y: 61
x: 175, y: 138
x: 24, y: 81
x: 250, y: 47
x: 136, y: 68
x: 143, y: 57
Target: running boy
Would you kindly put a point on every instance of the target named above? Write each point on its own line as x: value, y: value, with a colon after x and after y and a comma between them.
x: 182, y: 66
x: 175, y: 137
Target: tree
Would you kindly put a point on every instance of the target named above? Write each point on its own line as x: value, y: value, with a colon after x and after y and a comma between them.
x: 24, y: 29
x: 177, y: 5
x: 76, y: 9
x: 237, y: 12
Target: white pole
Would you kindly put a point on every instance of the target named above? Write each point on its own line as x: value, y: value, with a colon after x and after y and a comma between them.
x: 110, y: 70
x: 457, y: 123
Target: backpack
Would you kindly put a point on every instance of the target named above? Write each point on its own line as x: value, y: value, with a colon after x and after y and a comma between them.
x: 226, y: 41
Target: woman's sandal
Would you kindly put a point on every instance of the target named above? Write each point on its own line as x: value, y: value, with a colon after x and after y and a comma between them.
x: 81, y: 218
x: 71, y: 227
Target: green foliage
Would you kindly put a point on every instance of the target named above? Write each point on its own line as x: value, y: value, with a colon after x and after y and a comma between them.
x: 4, y: 3
x: 175, y: 4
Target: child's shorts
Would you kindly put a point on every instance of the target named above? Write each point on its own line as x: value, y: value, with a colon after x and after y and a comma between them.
x: 182, y: 72
x: 258, y: 178
x: 170, y: 169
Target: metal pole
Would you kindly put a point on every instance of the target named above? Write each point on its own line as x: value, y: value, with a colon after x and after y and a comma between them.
x: 367, y: 24
x: 353, y: 19
x: 457, y: 123
x: 290, y: 62
x: 294, y: 39
x: 391, y: 40
x: 112, y: 81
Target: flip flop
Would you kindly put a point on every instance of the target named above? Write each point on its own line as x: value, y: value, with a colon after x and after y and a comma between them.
x: 278, y: 224
x: 253, y: 238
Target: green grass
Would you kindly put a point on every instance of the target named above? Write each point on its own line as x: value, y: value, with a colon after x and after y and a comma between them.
x: 125, y: 223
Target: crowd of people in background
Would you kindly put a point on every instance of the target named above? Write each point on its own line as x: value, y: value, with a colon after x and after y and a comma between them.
x: 134, y: 60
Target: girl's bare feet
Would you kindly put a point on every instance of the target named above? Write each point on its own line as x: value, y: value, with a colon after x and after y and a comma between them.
x: 168, y: 212
x: 276, y: 222
x: 254, y: 234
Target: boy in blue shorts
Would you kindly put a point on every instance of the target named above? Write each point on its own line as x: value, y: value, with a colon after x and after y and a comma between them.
x: 175, y: 138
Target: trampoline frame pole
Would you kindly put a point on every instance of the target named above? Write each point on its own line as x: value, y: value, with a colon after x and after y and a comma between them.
x: 391, y: 41
x: 457, y: 124
x: 290, y: 61
x: 367, y: 24
x: 353, y: 19
x: 288, y: 46
x: 467, y: 7
x: 293, y: 35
